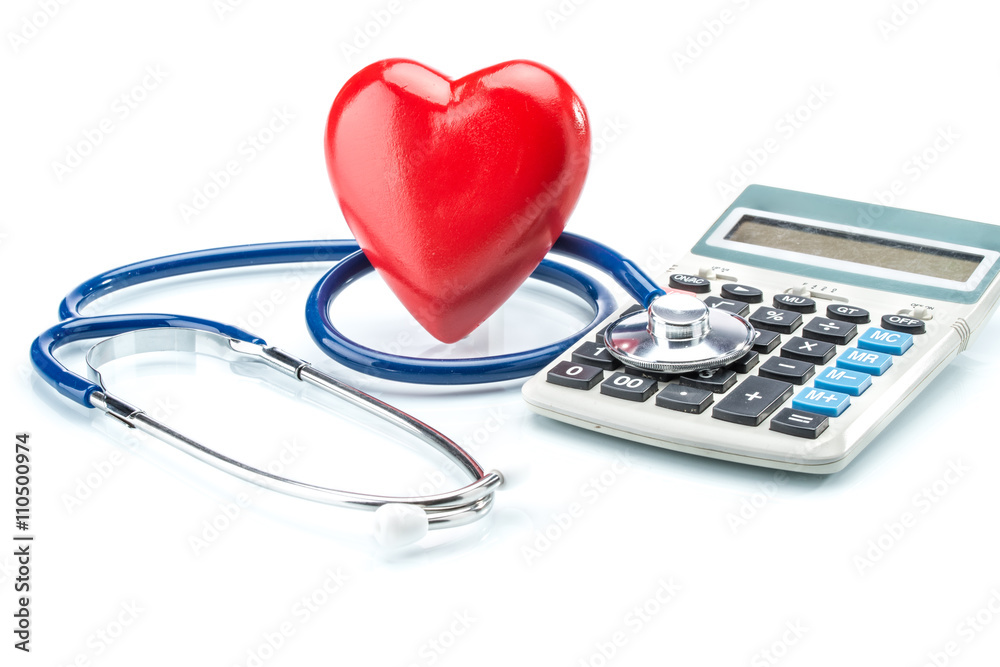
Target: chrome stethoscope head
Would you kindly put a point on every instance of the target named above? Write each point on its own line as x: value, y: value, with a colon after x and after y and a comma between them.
x: 678, y: 333
x: 398, y: 520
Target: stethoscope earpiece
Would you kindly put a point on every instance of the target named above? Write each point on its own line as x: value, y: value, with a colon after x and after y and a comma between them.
x: 400, y: 524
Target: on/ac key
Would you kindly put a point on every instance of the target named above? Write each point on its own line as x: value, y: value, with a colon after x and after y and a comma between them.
x: 690, y: 283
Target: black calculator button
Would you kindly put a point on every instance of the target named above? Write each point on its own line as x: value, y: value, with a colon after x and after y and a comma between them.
x: 904, y: 324
x: 742, y: 293
x: 684, y: 399
x: 775, y: 319
x: 841, y: 311
x: 595, y: 354
x: 716, y: 380
x: 599, y: 336
x: 813, y: 351
x: 766, y: 341
x: 738, y: 307
x: 799, y: 423
x: 745, y: 363
x: 629, y: 387
x: 752, y: 401
x: 800, y: 304
x: 688, y: 283
x: 828, y: 330
x: 574, y: 375
x: 655, y: 375
x: 787, y: 370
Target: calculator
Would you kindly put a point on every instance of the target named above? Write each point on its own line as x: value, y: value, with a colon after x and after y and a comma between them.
x: 855, y: 308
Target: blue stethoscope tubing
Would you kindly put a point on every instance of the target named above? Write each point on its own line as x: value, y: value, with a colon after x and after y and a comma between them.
x: 351, y: 265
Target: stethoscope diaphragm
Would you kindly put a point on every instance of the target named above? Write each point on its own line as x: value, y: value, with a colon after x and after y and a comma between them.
x: 678, y: 333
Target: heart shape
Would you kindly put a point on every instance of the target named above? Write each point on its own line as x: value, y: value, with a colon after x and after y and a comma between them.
x: 456, y: 190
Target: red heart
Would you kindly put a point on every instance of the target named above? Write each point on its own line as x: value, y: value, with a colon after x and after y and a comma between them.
x: 455, y: 190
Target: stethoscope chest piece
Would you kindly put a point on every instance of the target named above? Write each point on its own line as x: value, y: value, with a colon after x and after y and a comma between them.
x: 678, y: 333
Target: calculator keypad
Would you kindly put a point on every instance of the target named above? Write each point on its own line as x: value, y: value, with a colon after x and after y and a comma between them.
x: 787, y: 370
x: 574, y: 375
x: 766, y: 341
x: 799, y: 423
x: 745, y: 293
x: 801, y: 383
x: 822, y: 401
x: 889, y: 342
x: 776, y: 319
x: 813, y: 351
x: 595, y: 354
x: 842, y: 311
x: 854, y: 383
x: 629, y: 387
x: 829, y: 330
x: 741, y: 308
x: 800, y: 304
x: 907, y: 325
x: 753, y: 401
x: 684, y: 399
x: 716, y: 380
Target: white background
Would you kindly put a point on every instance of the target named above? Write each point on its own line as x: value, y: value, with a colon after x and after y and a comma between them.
x: 117, y: 520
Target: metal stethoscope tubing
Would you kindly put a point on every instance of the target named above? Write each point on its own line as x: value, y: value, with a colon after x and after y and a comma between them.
x: 136, y: 333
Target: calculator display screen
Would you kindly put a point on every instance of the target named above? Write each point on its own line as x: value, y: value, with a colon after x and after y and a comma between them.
x: 924, y: 260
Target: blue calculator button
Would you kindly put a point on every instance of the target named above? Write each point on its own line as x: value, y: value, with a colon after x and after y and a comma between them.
x: 841, y: 379
x: 882, y: 340
x: 822, y: 401
x: 866, y: 361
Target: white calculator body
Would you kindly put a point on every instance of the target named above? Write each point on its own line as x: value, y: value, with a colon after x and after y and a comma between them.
x: 856, y: 309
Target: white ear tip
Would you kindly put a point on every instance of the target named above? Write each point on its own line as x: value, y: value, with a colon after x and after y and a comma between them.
x: 399, y: 524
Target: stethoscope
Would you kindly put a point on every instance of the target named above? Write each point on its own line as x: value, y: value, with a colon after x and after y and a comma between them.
x: 676, y: 333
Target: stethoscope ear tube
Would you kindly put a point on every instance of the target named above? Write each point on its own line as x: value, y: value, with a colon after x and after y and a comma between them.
x: 80, y: 389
